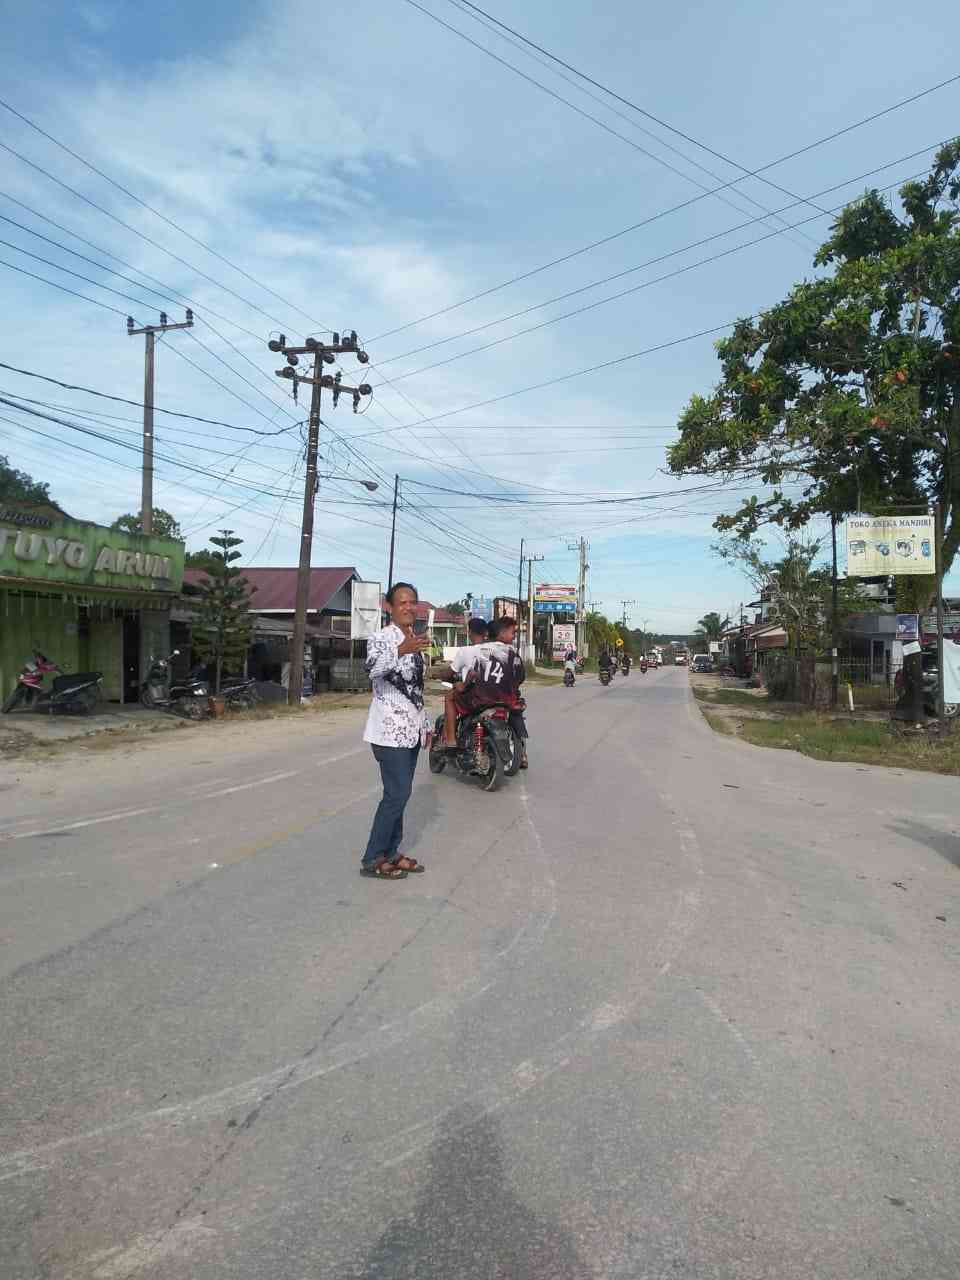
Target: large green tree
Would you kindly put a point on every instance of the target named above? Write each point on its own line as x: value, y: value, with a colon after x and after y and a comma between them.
x: 851, y: 384
x: 221, y: 632
x: 165, y: 525
x: 18, y: 486
x: 711, y: 626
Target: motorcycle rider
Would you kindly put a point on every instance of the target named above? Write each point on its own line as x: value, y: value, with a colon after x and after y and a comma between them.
x: 625, y: 662
x: 488, y: 674
x: 606, y: 662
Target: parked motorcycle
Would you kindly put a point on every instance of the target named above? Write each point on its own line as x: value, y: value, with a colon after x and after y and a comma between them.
x: 487, y: 746
x: 241, y: 695
x: 189, y: 699
x: 75, y: 693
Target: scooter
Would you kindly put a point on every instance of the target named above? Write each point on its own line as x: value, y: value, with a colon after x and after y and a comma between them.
x: 190, y: 699
x: 487, y: 746
x: 75, y: 693
x: 643, y: 666
x: 569, y: 679
x: 605, y: 676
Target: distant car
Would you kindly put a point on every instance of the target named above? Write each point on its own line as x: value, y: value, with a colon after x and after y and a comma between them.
x: 704, y: 664
x: 681, y: 660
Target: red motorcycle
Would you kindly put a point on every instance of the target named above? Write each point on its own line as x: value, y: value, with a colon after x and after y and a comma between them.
x: 77, y: 693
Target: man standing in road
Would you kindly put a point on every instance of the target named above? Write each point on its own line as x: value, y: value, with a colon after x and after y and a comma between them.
x: 397, y: 727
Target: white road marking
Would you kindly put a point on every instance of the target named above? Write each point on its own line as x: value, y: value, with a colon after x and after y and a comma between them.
x: 85, y: 822
x: 193, y: 793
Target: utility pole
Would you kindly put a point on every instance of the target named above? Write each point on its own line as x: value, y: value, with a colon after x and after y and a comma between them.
x: 393, y: 529
x: 531, y: 560
x: 150, y: 331
x: 625, y: 603
x: 520, y: 581
x: 323, y: 353
x: 581, y: 545
x: 834, y: 619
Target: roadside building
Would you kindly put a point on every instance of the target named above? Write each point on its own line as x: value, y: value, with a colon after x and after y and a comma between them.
x: 90, y: 598
x: 273, y: 604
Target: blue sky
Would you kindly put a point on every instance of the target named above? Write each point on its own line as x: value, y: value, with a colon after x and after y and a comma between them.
x: 371, y: 168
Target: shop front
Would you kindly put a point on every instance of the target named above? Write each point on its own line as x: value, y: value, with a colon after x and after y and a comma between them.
x: 90, y: 598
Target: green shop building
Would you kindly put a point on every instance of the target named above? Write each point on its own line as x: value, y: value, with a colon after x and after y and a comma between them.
x: 90, y: 598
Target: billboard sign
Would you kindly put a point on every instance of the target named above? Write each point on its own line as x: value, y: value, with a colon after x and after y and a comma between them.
x: 555, y: 606
x: 552, y: 593
x: 364, y: 609
x: 881, y: 545
x: 564, y: 639
x: 482, y: 607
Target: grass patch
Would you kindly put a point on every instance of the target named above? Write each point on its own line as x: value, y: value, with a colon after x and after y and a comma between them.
x: 879, y: 744
x: 720, y: 724
x: 729, y: 697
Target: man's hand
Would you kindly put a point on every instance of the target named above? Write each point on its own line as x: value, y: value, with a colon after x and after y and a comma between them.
x: 413, y: 644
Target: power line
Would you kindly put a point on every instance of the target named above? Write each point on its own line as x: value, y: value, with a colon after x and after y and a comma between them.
x: 586, y: 114
x: 663, y: 213
x: 137, y: 404
x: 150, y: 209
x: 634, y: 124
x: 650, y: 262
x: 718, y: 155
x: 171, y: 294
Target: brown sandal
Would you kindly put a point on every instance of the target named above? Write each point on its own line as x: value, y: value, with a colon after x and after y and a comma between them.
x: 384, y: 870
x: 406, y: 864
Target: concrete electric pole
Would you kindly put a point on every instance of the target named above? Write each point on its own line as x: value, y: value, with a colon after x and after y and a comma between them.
x: 531, y: 561
x: 150, y: 331
x: 625, y: 604
x: 581, y: 546
x: 323, y: 353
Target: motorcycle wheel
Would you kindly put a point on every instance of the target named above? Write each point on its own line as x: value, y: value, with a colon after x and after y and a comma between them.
x: 19, y: 695
x: 146, y: 698
x: 950, y: 710
x: 87, y: 700
x: 436, y: 760
x: 490, y: 781
x: 516, y: 755
x: 189, y: 707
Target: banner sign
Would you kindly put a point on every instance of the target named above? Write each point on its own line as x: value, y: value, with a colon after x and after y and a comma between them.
x: 555, y: 607
x: 564, y: 639
x: 482, y: 607
x: 908, y: 626
x: 551, y: 593
x: 928, y: 625
x: 881, y: 545
x: 364, y: 609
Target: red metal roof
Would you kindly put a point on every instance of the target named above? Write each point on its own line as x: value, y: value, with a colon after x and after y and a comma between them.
x: 277, y: 588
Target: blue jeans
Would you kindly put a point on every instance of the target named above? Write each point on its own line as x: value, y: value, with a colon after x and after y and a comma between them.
x: 397, y: 767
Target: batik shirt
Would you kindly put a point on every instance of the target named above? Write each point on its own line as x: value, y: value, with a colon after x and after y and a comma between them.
x: 397, y: 717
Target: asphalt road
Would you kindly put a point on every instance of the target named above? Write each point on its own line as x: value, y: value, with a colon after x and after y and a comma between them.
x: 666, y: 1006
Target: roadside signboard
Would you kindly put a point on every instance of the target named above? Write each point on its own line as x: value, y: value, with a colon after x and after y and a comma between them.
x: 552, y: 593
x: 482, y: 607
x: 555, y: 606
x: 882, y: 545
x: 564, y: 638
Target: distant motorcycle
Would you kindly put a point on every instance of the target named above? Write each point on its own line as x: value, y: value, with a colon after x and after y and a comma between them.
x: 605, y: 676
x: 189, y: 699
x: 74, y: 693
x: 643, y: 666
x: 569, y: 679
